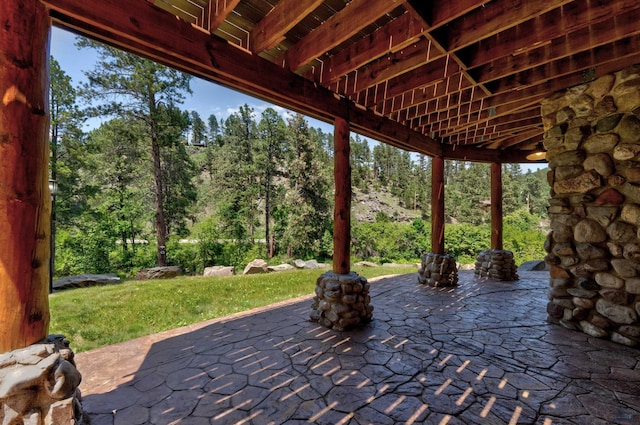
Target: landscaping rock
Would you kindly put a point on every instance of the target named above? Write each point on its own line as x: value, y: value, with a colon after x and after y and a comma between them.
x: 365, y: 264
x: 219, y: 271
x: 85, y: 280
x: 280, y: 268
x: 166, y: 272
x: 255, y: 267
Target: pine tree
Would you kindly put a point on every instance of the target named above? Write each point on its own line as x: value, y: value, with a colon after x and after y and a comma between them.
x: 134, y: 88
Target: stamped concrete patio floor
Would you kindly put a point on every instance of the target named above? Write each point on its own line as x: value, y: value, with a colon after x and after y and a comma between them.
x: 481, y: 353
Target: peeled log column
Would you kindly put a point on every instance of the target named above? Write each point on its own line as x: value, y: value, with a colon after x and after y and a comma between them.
x: 437, y: 205
x: 342, y: 208
x: 496, y: 205
x: 24, y: 192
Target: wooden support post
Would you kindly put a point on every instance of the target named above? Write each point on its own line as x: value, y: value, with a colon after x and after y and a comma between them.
x: 496, y: 205
x: 342, y: 208
x: 25, y: 203
x: 437, y: 205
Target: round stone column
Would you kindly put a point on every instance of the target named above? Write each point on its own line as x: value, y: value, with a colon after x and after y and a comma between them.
x: 592, y: 137
x: 496, y: 264
x: 342, y: 301
x: 438, y: 270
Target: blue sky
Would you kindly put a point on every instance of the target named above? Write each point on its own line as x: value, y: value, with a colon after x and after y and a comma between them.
x: 207, y: 98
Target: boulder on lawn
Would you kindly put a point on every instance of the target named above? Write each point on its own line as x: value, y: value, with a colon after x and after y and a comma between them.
x: 533, y: 266
x: 255, y: 267
x: 219, y: 271
x: 280, y: 268
x: 165, y: 272
x: 365, y: 264
x: 83, y: 280
x: 311, y: 264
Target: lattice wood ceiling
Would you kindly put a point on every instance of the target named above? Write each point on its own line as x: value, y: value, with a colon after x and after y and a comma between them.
x: 462, y: 79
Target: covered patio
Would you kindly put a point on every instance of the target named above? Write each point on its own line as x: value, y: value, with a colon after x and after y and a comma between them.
x: 497, y: 81
x: 480, y: 353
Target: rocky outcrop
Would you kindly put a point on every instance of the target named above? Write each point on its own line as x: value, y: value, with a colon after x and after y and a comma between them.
x: 593, y: 149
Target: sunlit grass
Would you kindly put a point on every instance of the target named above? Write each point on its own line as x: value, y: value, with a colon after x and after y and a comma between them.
x: 102, y: 315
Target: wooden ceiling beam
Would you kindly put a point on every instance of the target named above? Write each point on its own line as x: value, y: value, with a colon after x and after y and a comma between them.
x: 550, y: 26
x: 613, y: 52
x: 398, y: 34
x: 143, y: 29
x: 393, y: 65
x: 337, y: 29
x: 272, y: 28
x: 494, y: 17
x: 583, y: 39
x: 512, y: 140
x: 219, y: 10
x: 430, y: 73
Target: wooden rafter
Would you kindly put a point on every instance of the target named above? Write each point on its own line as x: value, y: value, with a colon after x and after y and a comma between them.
x: 285, y: 15
x: 219, y: 10
x: 356, y: 15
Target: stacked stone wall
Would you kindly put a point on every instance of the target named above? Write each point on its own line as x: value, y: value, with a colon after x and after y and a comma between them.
x: 592, y: 138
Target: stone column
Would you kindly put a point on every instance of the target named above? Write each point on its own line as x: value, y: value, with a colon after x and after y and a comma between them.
x: 437, y: 268
x: 496, y: 263
x: 24, y: 190
x: 592, y: 137
x: 342, y: 297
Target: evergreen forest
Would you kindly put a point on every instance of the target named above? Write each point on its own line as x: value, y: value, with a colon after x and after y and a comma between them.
x: 157, y: 184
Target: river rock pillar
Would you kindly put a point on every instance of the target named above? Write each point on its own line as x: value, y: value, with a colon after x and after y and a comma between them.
x: 437, y: 268
x: 592, y: 138
x: 342, y: 297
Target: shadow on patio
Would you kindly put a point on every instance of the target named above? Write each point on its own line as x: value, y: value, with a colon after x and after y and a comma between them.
x: 481, y: 353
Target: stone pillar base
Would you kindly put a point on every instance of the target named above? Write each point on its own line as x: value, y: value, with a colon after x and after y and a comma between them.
x: 496, y: 264
x: 342, y: 301
x: 39, y: 385
x: 438, y: 270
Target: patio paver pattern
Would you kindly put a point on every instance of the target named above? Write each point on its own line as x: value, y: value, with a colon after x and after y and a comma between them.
x: 480, y: 353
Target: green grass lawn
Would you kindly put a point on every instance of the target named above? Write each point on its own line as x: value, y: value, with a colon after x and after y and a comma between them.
x: 102, y: 315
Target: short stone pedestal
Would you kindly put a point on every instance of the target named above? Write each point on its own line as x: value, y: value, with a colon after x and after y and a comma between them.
x: 438, y: 270
x: 496, y: 264
x: 342, y: 301
x: 39, y: 385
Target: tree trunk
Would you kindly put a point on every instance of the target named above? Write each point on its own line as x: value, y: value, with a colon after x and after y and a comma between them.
x: 496, y: 206
x: 25, y: 200
x: 437, y: 205
x: 342, y: 208
x: 161, y: 225
x: 267, y: 200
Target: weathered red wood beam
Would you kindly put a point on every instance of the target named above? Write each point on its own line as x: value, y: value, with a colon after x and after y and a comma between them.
x: 342, y: 205
x: 437, y: 205
x: 496, y: 205
x: 25, y: 203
